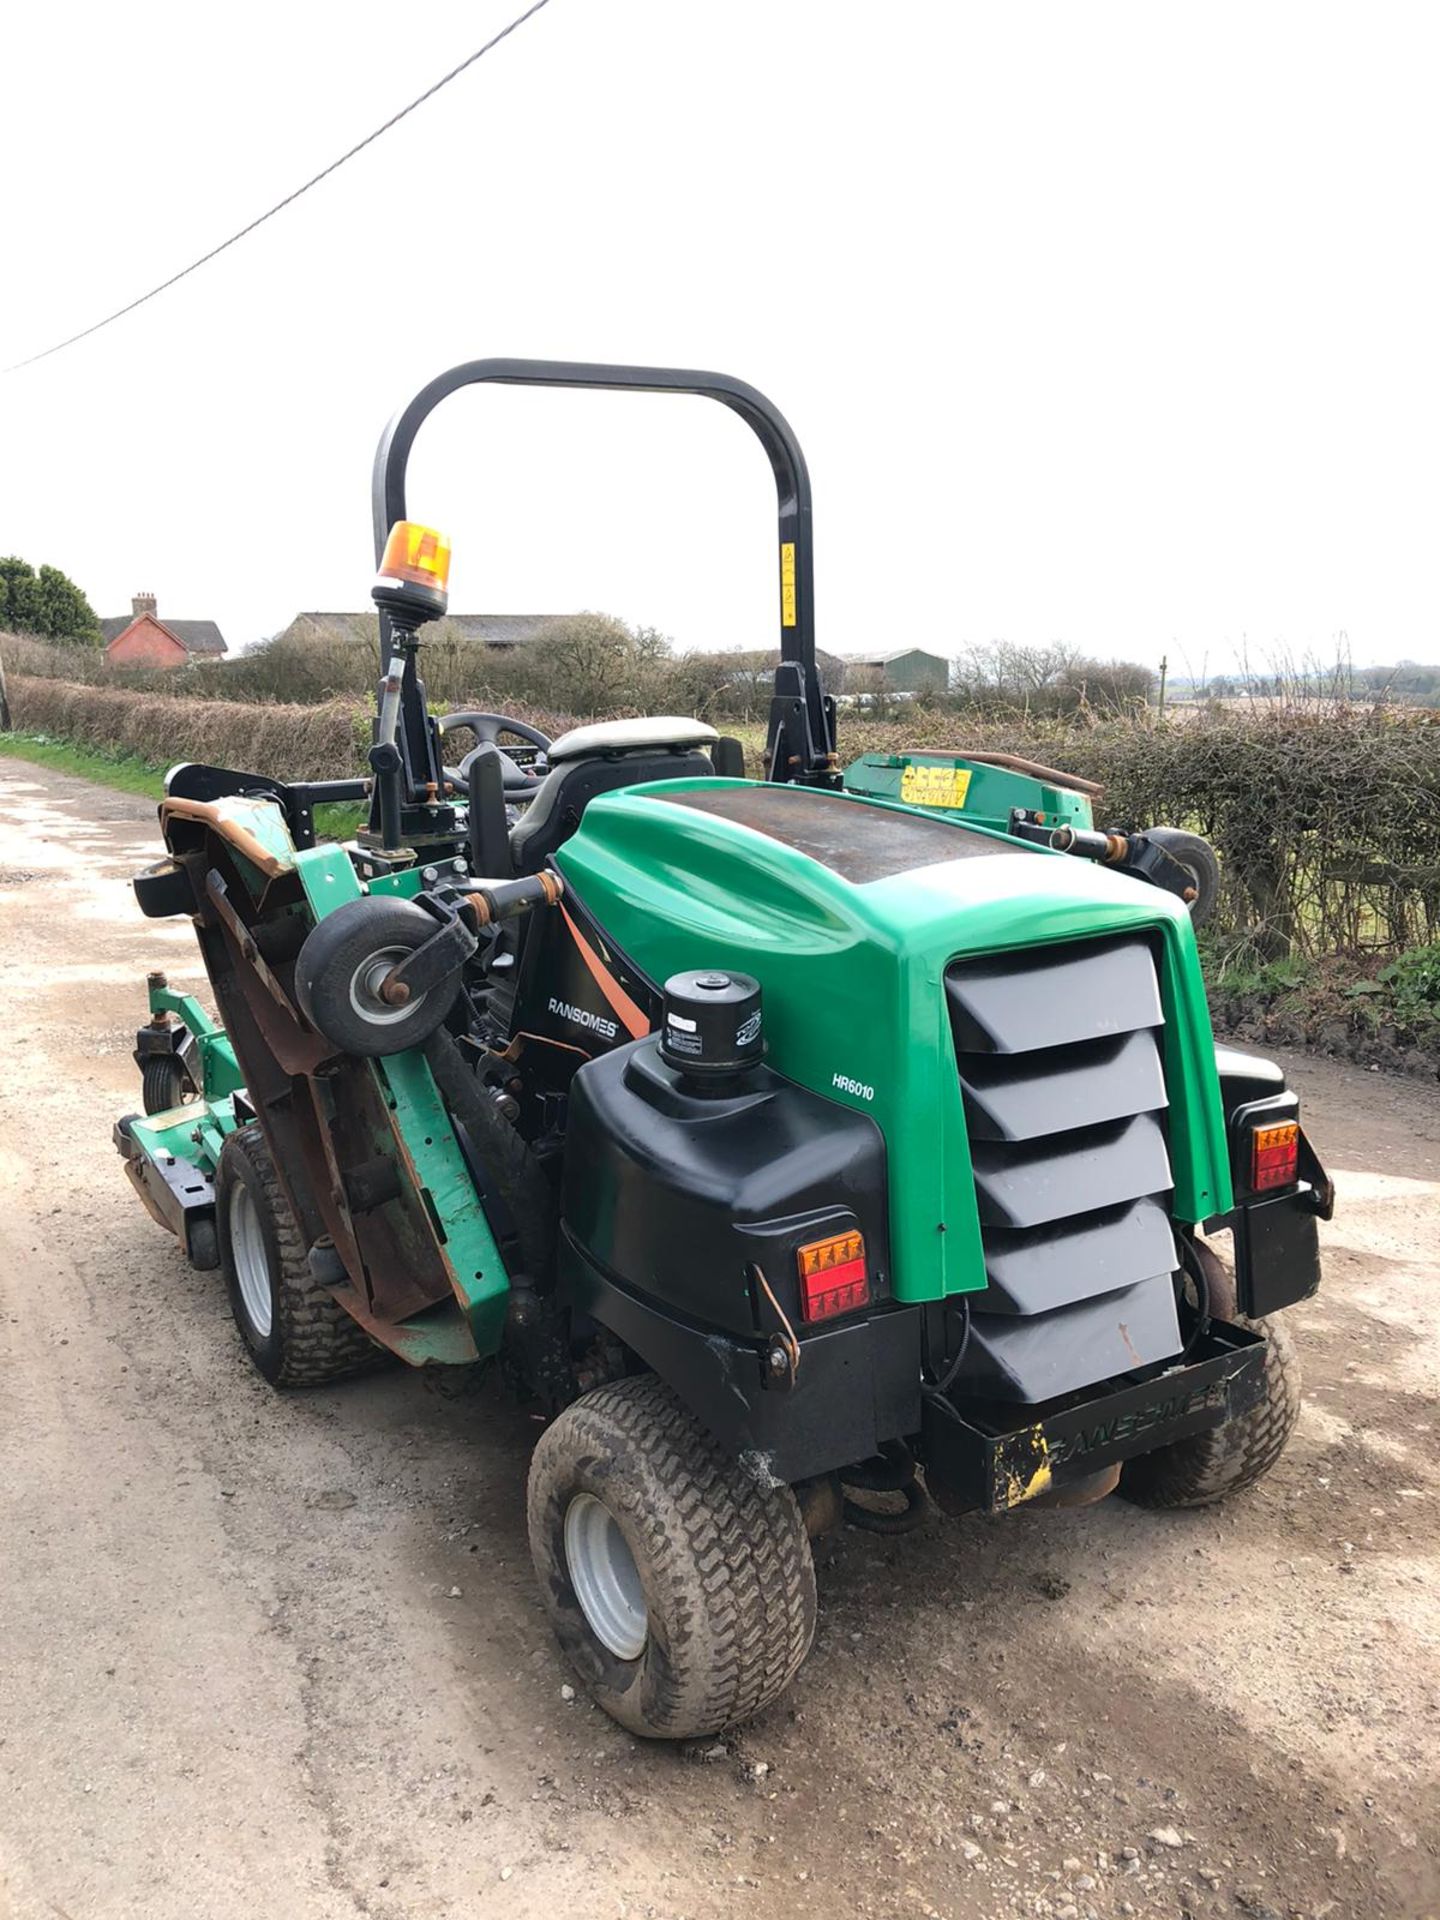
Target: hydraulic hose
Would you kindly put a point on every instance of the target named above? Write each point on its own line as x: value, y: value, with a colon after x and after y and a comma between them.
x: 1195, y: 1267
x: 951, y: 1374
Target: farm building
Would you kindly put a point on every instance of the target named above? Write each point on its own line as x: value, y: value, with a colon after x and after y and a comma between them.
x: 142, y: 639
x: 909, y: 671
x: 488, y: 629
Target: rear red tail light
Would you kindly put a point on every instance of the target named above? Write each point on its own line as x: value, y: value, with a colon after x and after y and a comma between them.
x: 1275, y: 1156
x: 833, y: 1276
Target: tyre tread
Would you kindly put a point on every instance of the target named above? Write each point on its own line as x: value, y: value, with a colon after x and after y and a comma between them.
x: 732, y: 1555
x: 1209, y: 1466
x: 319, y: 1340
x: 162, y: 1083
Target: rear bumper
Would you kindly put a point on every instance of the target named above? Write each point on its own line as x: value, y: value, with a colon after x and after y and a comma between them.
x: 997, y: 1465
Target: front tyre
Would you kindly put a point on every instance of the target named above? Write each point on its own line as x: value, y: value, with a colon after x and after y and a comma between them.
x: 294, y: 1329
x: 1206, y: 1467
x: 680, y: 1587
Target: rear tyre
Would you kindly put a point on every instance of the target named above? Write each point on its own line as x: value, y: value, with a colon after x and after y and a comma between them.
x: 681, y: 1589
x: 296, y: 1332
x: 343, y: 964
x: 1206, y: 1467
x: 163, y: 1083
x: 1197, y: 856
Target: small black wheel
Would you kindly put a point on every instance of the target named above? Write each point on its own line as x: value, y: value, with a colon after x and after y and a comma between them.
x: 1206, y: 1467
x: 342, y: 965
x: 164, y: 1083
x: 681, y: 1586
x: 296, y: 1332
x: 1197, y: 856
x: 204, y: 1246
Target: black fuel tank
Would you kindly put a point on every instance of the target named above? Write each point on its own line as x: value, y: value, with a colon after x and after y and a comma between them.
x: 676, y: 1193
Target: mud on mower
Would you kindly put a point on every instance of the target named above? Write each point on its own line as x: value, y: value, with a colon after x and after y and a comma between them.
x: 775, y: 1138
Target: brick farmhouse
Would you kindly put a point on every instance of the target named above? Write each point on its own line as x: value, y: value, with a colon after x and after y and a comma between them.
x: 142, y: 639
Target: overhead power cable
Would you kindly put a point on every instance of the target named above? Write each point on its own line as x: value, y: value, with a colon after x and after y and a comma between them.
x: 290, y: 198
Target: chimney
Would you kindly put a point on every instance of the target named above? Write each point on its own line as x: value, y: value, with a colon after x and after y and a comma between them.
x: 143, y: 603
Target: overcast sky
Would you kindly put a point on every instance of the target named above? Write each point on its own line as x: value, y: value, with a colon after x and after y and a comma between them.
x: 1118, y: 324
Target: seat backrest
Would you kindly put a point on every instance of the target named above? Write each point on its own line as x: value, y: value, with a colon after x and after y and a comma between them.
x: 565, y: 792
x: 628, y: 736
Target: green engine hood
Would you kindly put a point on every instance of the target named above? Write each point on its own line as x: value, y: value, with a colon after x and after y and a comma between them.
x: 848, y: 912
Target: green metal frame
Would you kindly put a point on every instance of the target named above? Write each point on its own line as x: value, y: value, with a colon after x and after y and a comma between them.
x: 967, y: 790
x: 437, y: 1160
x: 442, y: 1174
x: 220, y: 1073
x: 195, y: 1133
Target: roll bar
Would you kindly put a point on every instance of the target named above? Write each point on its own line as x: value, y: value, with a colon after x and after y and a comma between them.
x: 801, y: 742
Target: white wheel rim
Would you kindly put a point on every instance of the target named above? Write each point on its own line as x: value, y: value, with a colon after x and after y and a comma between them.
x: 605, y: 1577
x: 366, y: 982
x: 252, y: 1263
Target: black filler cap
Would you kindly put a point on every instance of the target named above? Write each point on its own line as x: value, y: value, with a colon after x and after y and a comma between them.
x: 712, y: 1023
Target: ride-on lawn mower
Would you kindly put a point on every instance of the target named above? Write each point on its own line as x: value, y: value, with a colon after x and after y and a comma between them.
x: 772, y: 1138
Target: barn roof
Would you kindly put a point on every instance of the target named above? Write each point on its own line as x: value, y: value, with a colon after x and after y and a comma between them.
x: 503, y: 629
x: 884, y: 659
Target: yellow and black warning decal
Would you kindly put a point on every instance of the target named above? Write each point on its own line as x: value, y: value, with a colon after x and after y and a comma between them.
x: 787, y: 583
x: 935, y: 786
x: 1023, y: 1469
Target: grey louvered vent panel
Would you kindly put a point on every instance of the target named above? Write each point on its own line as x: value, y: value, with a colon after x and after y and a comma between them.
x: 1070, y: 1173
x: 1056, y: 997
x: 1032, y: 1272
x: 1024, y: 1097
x: 1012, y: 1358
x: 1059, y: 1058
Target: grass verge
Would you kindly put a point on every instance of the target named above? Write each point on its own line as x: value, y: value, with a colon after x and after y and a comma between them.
x: 126, y: 773
x: 123, y: 771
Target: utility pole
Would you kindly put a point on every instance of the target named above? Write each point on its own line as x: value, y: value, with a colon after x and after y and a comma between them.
x: 6, y: 724
x: 1164, y: 669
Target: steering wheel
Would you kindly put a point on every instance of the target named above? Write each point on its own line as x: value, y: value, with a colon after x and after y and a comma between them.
x: 519, y: 781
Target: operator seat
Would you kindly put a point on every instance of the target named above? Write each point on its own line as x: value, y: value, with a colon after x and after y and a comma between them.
x: 600, y: 759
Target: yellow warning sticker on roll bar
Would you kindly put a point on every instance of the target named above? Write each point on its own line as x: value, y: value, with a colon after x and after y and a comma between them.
x: 787, y: 583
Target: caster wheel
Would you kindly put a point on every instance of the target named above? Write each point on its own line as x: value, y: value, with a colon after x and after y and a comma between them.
x: 164, y: 1083
x: 1197, y: 856
x: 343, y: 965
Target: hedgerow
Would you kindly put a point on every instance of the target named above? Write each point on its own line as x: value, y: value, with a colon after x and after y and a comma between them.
x: 1324, y: 818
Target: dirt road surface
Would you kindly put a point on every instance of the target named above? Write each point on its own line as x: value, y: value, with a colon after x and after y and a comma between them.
x: 282, y: 1654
